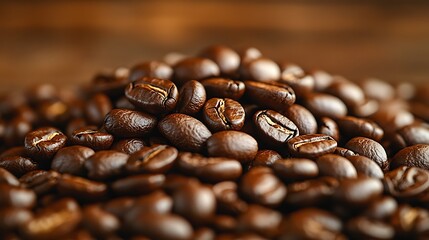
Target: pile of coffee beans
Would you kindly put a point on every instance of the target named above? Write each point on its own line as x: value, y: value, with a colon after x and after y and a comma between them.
x: 223, y: 145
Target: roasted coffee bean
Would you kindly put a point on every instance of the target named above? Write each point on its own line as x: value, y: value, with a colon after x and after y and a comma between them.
x: 413, y: 156
x: 194, y: 69
x: 382, y: 208
x: 350, y: 93
x: 176, y: 126
x: 274, y: 128
x: 152, y: 69
x: 392, y: 118
x: 175, y: 181
x: 128, y: 124
x: 366, y: 228
x: 71, y: 160
x: 353, y: 127
x: 153, y: 95
x: 406, y: 181
x: 75, y: 124
x: 260, y: 185
x: 124, y: 103
x: 42, y: 92
x: 312, y: 145
x: 156, y: 202
x: 204, y: 233
x: 212, y: 169
x: 265, y: 158
x: 111, y: 84
x: 224, y: 223
x: 227, y: 199
x: 13, y: 152
x: 359, y: 191
x: 311, y: 192
x: 96, y: 108
x: 16, y: 130
x: 232, y: 144
x: 250, y: 221
x: 249, y: 53
x: 18, y: 165
x: 105, y: 164
x: 12, y: 218
x: 344, y: 152
x: 223, y: 88
x: 406, y: 220
x: 99, y: 222
x: 295, y: 169
x: 128, y: 146
x: 223, y: 114
x: 294, y: 76
x: 336, y: 166
x: 119, y: 206
x: 226, y: 58
x: 139, y: 184
x: 325, y: 105
x: 411, y: 135
x: 302, y: 118
x: 329, y: 127
x: 54, y: 112
x: 81, y: 188
x: 8, y: 178
x: 192, y: 97
x: 373, y: 88
x: 260, y: 69
x: 272, y: 96
x: 365, y: 166
x: 14, y: 196
x: 369, y: 148
x: 41, y: 182
x: 91, y: 137
x: 43, y: 143
x: 156, y: 159
x: 368, y: 108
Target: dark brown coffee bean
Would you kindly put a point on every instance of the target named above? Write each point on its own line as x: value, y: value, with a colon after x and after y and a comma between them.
x: 8, y: 178
x: 249, y: 53
x: 223, y: 88
x: 325, y: 105
x: 265, y: 158
x: 153, y: 95
x: 152, y: 69
x: 81, y: 188
x: 128, y: 146
x: 392, y: 118
x: 227, y: 198
x: 124, y: 103
x: 119, y: 206
x: 13, y: 196
x: 358, y: 127
x: 366, y: 228
x: 192, y: 97
x: 261, y: 186
x: 406, y: 220
x: 359, y: 191
x: 276, y: 97
x: 413, y: 156
x: 71, y: 160
x: 382, y: 208
x: 274, y: 128
x: 91, y: 137
x: 232, y: 144
x: 329, y: 127
x: 260, y: 69
x: 75, y: 124
x: 18, y: 165
x: 223, y: 114
x: 99, y: 222
x: 43, y: 143
x: 41, y: 182
x: 369, y: 148
x: 344, y: 152
x: 224, y: 223
x: 16, y: 130
x: 139, y: 184
x: 250, y: 221
x: 96, y: 108
x: 204, y: 233
x: 176, y: 181
x: 336, y: 166
x: 13, y: 152
x: 366, y: 109
x: 295, y: 169
x: 411, y: 135
x: 194, y: 69
x: 312, y: 145
x: 365, y: 166
x: 294, y: 76
x: 155, y: 202
x: 226, y: 58
x: 311, y: 192
x: 213, y: 169
x: 373, y: 88
x: 406, y: 181
x: 128, y: 124
x: 156, y: 159
x: 185, y: 132
x: 105, y: 164
x: 12, y: 218
x: 54, y: 112
x: 302, y: 118
x: 350, y: 93
x: 111, y: 84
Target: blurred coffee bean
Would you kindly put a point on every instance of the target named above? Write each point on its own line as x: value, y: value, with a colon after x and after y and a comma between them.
x: 265, y: 158
x: 261, y: 220
x: 12, y: 218
x: 96, y: 108
x: 373, y: 88
x: 325, y: 105
x: 99, y: 222
x: 41, y: 182
x: 153, y: 69
x: 293, y: 169
x: 344, y: 152
x: 329, y: 127
x: 16, y: 130
x: 382, y: 208
x: 138, y: 184
x: 8, y: 178
x: 353, y: 127
x: 192, y: 97
x: 358, y: 191
x: 365, y: 166
x: 351, y: 94
x: 226, y: 58
x: 311, y: 192
x: 227, y: 198
x: 81, y: 188
x: 18, y: 165
x: 129, y: 145
x: 272, y: 96
x: 294, y: 76
x: 71, y: 160
x: 260, y: 69
x: 194, y: 69
x: 105, y: 164
x: 14, y: 196
x: 366, y: 228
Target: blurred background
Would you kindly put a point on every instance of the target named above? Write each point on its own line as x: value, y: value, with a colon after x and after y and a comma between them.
x: 68, y: 41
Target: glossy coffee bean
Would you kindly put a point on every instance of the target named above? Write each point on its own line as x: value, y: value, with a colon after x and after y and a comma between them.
x: 354, y: 127
x: 232, y: 144
x: 329, y: 127
x: 129, y: 124
x: 223, y: 114
x: 249, y: 53
x: 81, y: 188
x: 226, y: 58
x: 153, y: 69
x: 96, y: 108
x: 156, y: 159
x: 274, y: 128
x: 271, y: 96
x: 295, y: 169
x: 372, y: 88
x: 213, y: 169
x: 250, y: 221
x: 16, y: 130
x: 119, y: 206
x: 129, y: 145
x: 8, y: 178
x: 175, y: 126
x: 194, y: 69
x: 105, y: 164
x: 12, y: 218
x: 43, y: 143
x: 325, y: 105
x: 344, y: 152
x: 71, y: 160
x: 260, y: 69
x: 302, y: 118
x: 40, y: 181
x: 138, y: 184
x: 260, y: 185
x: 365, y: 166
x: 153, y: 95
x: 382, y: 208
x: 406, y: 181
x: 265, y: 158
x: 223, y: 223
x: 99, y: 222
x: 311, y: 192
x: 294, y: 76
x: 350, y: 93
x: 176, y: 181
x: 155, y: 202
x: 413, y: 156
x: 392, y: 118
x: 413, y: 134
x: 111, y: 84
x: 13, y: 196
x: 366, y: 228
x: 192, y: 97
x: 91, y: 137
x: 312, y: 145
x: 227, y: 198
x: 368, y: 108
x: 336, y: 166
x: 369, y: 148
x: 359, y: 191
x: 18, y: 165
x: 223, y: 88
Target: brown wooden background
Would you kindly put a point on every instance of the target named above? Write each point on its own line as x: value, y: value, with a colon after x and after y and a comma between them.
x: 67, y: 41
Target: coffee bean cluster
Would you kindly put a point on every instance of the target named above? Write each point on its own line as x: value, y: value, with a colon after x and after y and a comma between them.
x: 223, y: 145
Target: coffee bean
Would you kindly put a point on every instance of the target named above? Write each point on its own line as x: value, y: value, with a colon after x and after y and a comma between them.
x: 71, y: 160
x: 204, y: 233
x: 105, y: 164
x: 350, y: 93
x: 192, y: 97
x: 311, y: 192
x: 366, y: 228
x: 226, y: 58
x: 372, y: 88
x: 16, y: 130
x: 265, y: 158
x: 96, y: 108
x: 406, y: 220
x: 368, y: 108
x: 274, y: 128
x: 312, y: 145
x: 250, y: 221
x: 223, y: 88
x: 359, y: 191
x: 91, y: 137
x: 13, y: 196
x: 232, y: 144
x: 302, y: 118
x: 156, y: 159
x: 153, y: 95
x: 365, y: 166
x: 413, y: 156
x: 129, y: 145
x: 223, y: 223
x: 41, y: 182
x: 295, y: 169
x: 354, y: 127
x: 176, y: 181
x: 369, y: 148
x: 12, y: 218
x: 325, y: 105
x: 336, y: 166
x: 155, y: 202
x: 392, y: 118
x: 273, y: 96
x: 43, y: 143
x: 227, y: 199
x: 406, y: 181
x: 176, y: 126
x: 344, y: 152
x: 74, y: 125
x: 8, y: 178
x: 194, y: 69
x: 18, y: 165
x: 249, y: 54
x: 382, y: 208
x: 213, y: 169
x: 261, y: 186
x: 119, y: 206
x: 128, y: 124
x: 139, y: 184
x: 99, y: 222
x: 81, y: 188
x: 329, y: 127
x: 411, y: 135
x: 152, y: 69
x: 111, y: 84
x: 260, y: 69
x: 223, y: 114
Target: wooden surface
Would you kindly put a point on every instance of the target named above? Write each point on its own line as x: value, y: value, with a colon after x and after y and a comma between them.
x: 66, y: 42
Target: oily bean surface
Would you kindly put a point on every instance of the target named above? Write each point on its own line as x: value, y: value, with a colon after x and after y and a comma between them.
x: 43, y: 143
x: 369, y: 148
x: 272, y: 96
x: 194, y: 69
x: 226, y: 58
x: 223, y: 114
x: 224, y: 88
x: 295, y: 169
x: 128, y: 124
x: 302, y: 118
x: 71, y: 159
x: 311, y: 145
x: 105, y: 164
x: 336, y: 166
x: 192, y: 97
x: 155, y: 159
x: 413, y: 156
x: 91, y: 137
